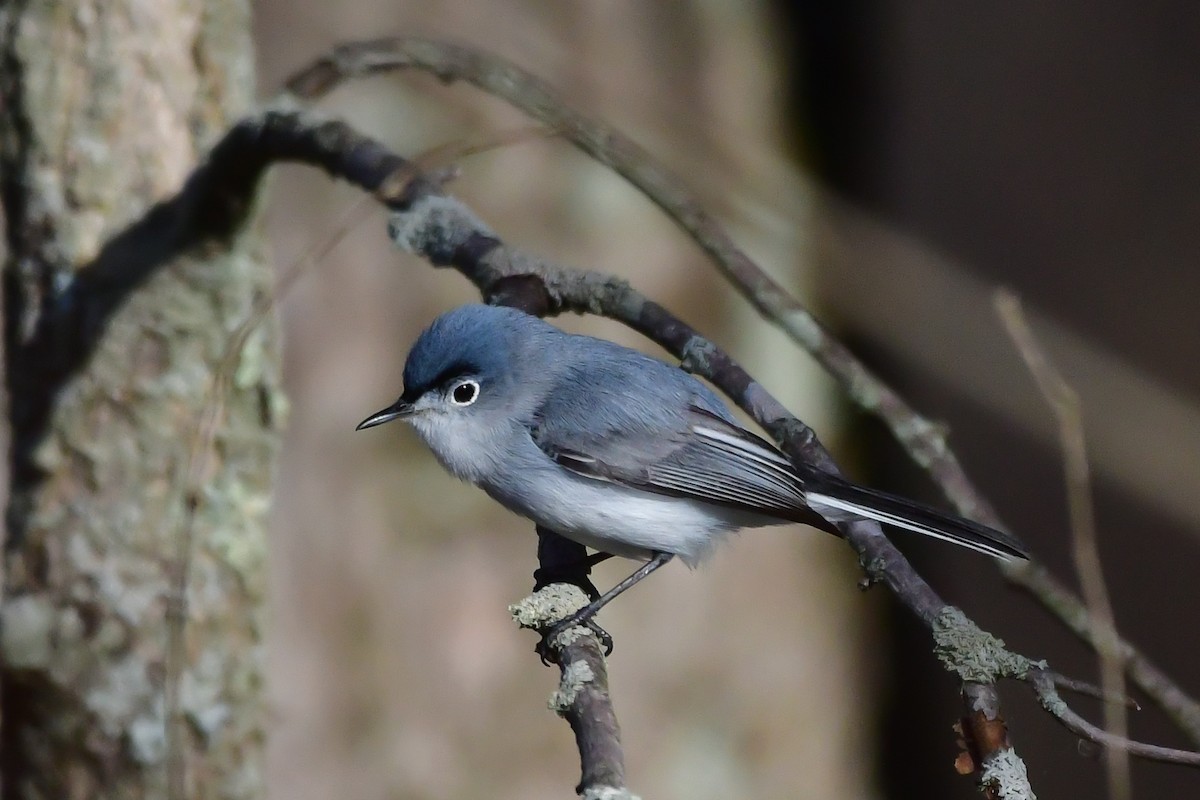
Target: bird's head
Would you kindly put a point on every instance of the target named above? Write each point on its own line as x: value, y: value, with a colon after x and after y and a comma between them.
x: 467, y: 365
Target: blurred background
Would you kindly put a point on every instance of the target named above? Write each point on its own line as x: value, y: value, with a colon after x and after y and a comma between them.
x: 892, y: 162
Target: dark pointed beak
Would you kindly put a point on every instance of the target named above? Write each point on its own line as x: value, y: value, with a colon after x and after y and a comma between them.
x: 400, y: 410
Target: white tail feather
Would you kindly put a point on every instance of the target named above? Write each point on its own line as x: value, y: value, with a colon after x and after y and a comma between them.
x: 820, y: 502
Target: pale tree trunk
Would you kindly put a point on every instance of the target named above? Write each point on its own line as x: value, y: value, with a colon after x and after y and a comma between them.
x: 105, y: 106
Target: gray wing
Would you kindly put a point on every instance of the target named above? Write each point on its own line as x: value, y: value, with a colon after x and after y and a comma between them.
x: 710, y: 460
x: 655, y: 428
x: 609, y: 413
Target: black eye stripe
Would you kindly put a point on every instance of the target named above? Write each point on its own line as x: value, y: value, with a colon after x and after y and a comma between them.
x: 458, y: 369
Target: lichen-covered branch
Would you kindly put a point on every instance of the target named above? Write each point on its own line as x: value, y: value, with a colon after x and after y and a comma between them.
x: 582, y: 698
x: 924, y: 441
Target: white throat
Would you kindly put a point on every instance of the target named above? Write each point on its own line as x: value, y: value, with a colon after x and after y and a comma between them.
x: 466, y: 445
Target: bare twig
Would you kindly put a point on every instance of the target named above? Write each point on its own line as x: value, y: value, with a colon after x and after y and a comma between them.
x: 1064, y: 401
x: 1088, y: 690
x: 1043, y: 686
x: 924, y: 441
x: 1180, y: 707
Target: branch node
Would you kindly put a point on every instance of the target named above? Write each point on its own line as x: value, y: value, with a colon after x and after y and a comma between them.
x: 1050, y: 700
x: 592, y: 292
x: 526, y: 292
x: 697, y: 355
x: 933, y: 433
x: 435, y: 227
x: 548, y: 605
x: 874, y: 570
x: 976, y: 655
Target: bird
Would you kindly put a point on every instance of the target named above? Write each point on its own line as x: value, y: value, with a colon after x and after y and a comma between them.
x: 619, y: 451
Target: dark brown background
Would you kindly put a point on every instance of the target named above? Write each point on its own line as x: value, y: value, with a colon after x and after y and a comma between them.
x: 1050, y: 148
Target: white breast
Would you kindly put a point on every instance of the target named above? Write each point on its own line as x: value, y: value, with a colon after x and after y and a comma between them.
x: 620, y: 520
x: 602, y: 515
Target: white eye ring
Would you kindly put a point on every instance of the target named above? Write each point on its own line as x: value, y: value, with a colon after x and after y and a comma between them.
x: 464, y: 393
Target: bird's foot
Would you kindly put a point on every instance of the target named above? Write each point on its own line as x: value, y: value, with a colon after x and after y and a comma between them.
x: 550, y: 645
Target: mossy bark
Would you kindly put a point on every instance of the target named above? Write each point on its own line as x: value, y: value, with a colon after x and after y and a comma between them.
x: 105, y: 106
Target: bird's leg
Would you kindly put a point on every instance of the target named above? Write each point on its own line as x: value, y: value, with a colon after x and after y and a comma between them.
x: 584, y: 615
x: 561, y: 560
x: 597, y: 558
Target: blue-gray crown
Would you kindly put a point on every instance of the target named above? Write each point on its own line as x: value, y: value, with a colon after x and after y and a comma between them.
x: 475, y: 340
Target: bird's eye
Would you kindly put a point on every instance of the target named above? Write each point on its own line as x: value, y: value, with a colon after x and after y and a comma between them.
x: 464, y: 393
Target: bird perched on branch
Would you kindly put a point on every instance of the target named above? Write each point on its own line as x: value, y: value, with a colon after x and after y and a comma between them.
x: 618, y: 451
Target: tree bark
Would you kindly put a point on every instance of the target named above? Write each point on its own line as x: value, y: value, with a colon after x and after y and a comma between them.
x: 105, y: 107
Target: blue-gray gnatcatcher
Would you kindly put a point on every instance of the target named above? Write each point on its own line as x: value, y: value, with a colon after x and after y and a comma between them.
x: 619, y: 451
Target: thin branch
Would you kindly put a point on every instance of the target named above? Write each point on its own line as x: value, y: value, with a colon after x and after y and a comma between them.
x: 1088, y: 690
x: 924, y: 441
x: 1064, y: 402
x: 1043, y: 686
x: 582, y: 697
x: 1180, y: 707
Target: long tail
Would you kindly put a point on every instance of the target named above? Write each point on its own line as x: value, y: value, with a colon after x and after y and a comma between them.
x: 838, y: 500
